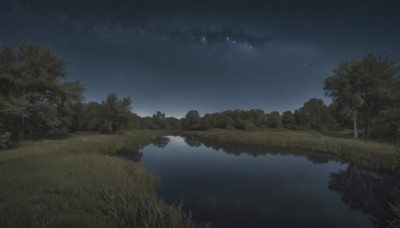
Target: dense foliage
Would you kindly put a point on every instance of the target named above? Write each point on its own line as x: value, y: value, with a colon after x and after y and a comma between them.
x: 36, y: 101
x: 313, y: 115
x: 33, y: 98
x: 367, y: 90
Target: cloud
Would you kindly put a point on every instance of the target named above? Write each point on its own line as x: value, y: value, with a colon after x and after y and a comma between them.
x: 192, y: 31
x: 220, y: 36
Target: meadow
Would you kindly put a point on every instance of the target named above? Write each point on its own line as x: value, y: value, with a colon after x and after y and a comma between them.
x: 74, y: 183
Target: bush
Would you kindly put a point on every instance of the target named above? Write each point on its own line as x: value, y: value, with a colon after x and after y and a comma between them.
x: 5, y: 140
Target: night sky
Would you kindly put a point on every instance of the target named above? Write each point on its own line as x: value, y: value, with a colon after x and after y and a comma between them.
x: 210, y: 55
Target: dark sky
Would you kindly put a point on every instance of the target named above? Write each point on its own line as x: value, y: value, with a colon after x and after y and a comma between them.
x: 208, y: 55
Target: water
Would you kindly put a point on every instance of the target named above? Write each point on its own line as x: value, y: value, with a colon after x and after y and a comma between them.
x: 235, y: 186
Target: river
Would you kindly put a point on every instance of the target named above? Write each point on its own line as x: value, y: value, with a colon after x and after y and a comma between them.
x: 249, y: 186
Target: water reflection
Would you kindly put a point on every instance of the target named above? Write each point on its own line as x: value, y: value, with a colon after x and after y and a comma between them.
x: 161, y: 142
x: 238, y: 185
x: 361, y: 189
x: 367, y: 191
x: 256, y: 150
x: 133, y: 153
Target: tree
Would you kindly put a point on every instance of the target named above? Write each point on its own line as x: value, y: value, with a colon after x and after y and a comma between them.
x: 116, y: 113
x: 386, y: 124
x: 13, y: 103
x: 274, y: 119
x: 344, y: 88
x: 93, y: 119
x: 316, y: 115
x: 147, y: 123
x: 77, y: 115
x: 258, y: 117
x: 360, y: 88
x: 174, y: 123
x: 209, y: 121
x: 288, y: 118
x: 377, y: 75
x: 160, y: 121
x: 32, y: 98
x: 192, y: 120
x: 69, y: 106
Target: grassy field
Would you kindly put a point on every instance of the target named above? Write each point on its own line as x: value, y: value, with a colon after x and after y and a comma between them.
x: 72, y: 183
x: 366, y: 153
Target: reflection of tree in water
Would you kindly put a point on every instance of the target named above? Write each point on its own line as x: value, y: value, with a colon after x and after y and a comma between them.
x: 161, y: 142
x: 192, y: 141
x: 133, y: 153
x: 361, y: 189
x: 366, y: 191
x: 254, y: 150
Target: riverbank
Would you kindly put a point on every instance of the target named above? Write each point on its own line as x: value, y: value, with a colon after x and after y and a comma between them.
x: 73, y: 183
x: 369, y: 154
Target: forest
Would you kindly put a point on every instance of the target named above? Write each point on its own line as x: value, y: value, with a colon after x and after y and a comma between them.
x: 37, y: 100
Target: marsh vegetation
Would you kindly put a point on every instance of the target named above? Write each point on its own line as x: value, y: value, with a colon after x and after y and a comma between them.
x: 75, y: 183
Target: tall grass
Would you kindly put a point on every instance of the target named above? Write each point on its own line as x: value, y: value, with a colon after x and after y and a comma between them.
x: 366, y: 153
x: 68, y: 183
x: 395, y: 222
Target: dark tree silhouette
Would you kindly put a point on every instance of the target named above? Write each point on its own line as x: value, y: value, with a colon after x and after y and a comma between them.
x: 361, y: 87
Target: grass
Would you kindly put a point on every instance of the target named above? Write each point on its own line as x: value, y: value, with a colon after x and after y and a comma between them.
x: 74, y: 183
x: 369, y: 154
x: 68, y: 183
x: 395, y: 223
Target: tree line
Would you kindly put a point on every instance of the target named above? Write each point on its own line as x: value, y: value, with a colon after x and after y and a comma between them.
x: 313, y: 115
x: 36, y: 100
x: 365, y: 98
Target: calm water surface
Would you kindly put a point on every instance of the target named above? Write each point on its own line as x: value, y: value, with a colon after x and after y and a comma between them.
x: 234, y: 186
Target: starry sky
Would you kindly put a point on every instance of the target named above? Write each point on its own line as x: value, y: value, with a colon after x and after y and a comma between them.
x: 210, y: 55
